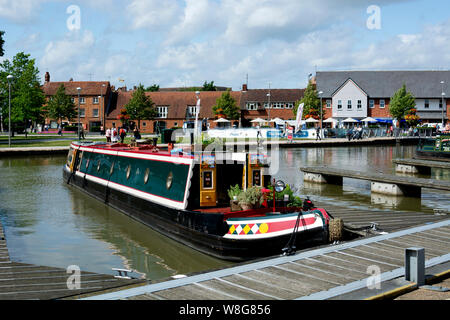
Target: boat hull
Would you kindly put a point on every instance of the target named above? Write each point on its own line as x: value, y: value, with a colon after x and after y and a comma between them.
x: 193, y: 228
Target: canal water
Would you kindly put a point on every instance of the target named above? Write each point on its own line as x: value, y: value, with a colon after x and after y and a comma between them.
x: 49, y: 223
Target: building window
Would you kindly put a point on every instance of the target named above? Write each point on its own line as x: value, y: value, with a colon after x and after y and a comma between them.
x: 95, y: 113
x: 95, y: 100
x: 144, y: 124
x: 427, y: 104
x: 82, y: 100
x: 371, y: 103
x: 289, y: 105
x: 349, y: 104
x: 382, y: 104
x: 440, y: 103
x: 359, y: 104
x: 328, y: 104
x: 339, y: 104
x: 82, y: 112
x: 72, y: 99
x: 277, y: 105
x: 191, y: 110
x: 251, y: 106
x: 162, y: 111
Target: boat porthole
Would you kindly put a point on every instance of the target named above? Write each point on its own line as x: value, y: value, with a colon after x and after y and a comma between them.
x: 112, y: 169
x: 169, y: 180
x: 128, y: 171
x: 98, y: 165
x: 147, y: 174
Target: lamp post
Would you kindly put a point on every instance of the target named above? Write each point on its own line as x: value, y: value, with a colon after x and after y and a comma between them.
x: 321, y: 107
x: 442, y: 97
x: 10, y: 79
x: 102, y: 107
x: 197, y: 112
x: 78, y: 125
x: 268, y: 106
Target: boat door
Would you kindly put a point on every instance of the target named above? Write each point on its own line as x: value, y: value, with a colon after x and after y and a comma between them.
x: 255, y: 174
x: 208, y: 181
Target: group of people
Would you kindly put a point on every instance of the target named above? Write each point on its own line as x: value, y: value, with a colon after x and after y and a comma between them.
x: 113, y: 134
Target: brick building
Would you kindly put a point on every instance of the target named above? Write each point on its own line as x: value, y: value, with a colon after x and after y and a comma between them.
x: 95, y: 99
x: 360, y: 94
x: 255, y: 104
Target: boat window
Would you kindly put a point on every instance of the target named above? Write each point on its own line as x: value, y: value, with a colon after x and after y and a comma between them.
x: 70, y: 156
x: 128, y: 171
x: 147, y: 173
x: 80, y: 161
x: 169, y: 180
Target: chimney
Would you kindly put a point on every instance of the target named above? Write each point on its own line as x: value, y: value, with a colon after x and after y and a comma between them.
x: 47, y: 77
x: 71, y: 79
x: 244, y: 87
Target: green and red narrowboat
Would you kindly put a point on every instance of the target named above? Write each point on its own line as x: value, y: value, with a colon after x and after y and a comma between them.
x: 183, y: 195
x: 437, y: 148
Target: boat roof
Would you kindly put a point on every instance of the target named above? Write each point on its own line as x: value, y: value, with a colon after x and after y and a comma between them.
x: 144, y: 149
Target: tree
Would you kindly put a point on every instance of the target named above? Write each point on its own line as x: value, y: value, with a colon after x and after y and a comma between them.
x: 140, y: 107
x: 60, y: 106
x: 27, y: 97
x: 227, y: 105
x: 152, y: 88
x: 209, y: 86
x: 311, y: 102
x: 401, y: 103
x: 2, y: 42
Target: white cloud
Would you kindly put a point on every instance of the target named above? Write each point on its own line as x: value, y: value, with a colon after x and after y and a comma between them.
x: 152, y: 14
x: 65, y: 53
x: 19, y: 10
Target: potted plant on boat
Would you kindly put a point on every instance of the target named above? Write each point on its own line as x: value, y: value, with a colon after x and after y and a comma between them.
x: 251, y: 198
x: 233, y: 193
x: 285, y: 198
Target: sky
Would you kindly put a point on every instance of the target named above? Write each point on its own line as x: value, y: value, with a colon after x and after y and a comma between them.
x: 176, y: 43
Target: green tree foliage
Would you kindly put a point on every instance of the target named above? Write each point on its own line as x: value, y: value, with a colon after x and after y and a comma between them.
x: 2, y: 42
x: 310, y: 99
x: 60, y: 106
x: 27, y: 97
x: 227, y: 105
x: 152, y: 88
x: 141, y: 106
x: 209, y: 86
x: 401, y: 103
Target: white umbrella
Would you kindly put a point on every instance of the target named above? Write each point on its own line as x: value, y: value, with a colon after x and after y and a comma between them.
x: 311, y: 120
x: 222, y: 120
x: 350, y: 120
x: 369, y: 119
x: 278, y: 121
x: 258, y: 120
x: 330, y: 120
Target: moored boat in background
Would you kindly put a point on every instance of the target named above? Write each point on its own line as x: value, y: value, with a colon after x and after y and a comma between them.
x: 437, y: 148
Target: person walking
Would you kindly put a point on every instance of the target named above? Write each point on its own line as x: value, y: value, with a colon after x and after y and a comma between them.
x: 114, y: 135
x: 318, y: 133
x: 108, y: 135
x: 122, y: 134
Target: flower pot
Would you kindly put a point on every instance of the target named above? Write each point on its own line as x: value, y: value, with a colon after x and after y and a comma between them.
x: 234, y: 205
x: 246, y: 206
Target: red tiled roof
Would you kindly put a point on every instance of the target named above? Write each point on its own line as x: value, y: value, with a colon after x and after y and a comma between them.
x: 177, y: 102
x: 88, y: 88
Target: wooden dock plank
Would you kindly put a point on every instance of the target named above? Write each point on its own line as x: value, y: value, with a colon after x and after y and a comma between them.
x: 268, y: 290
x: 361, y: 253
x: 333, y: 268
x: 301, y: 268
x: 225, y: 289
x: 361, y: 261
x: 408, y: 243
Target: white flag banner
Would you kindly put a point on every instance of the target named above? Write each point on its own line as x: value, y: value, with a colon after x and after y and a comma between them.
x: 298, y: 120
